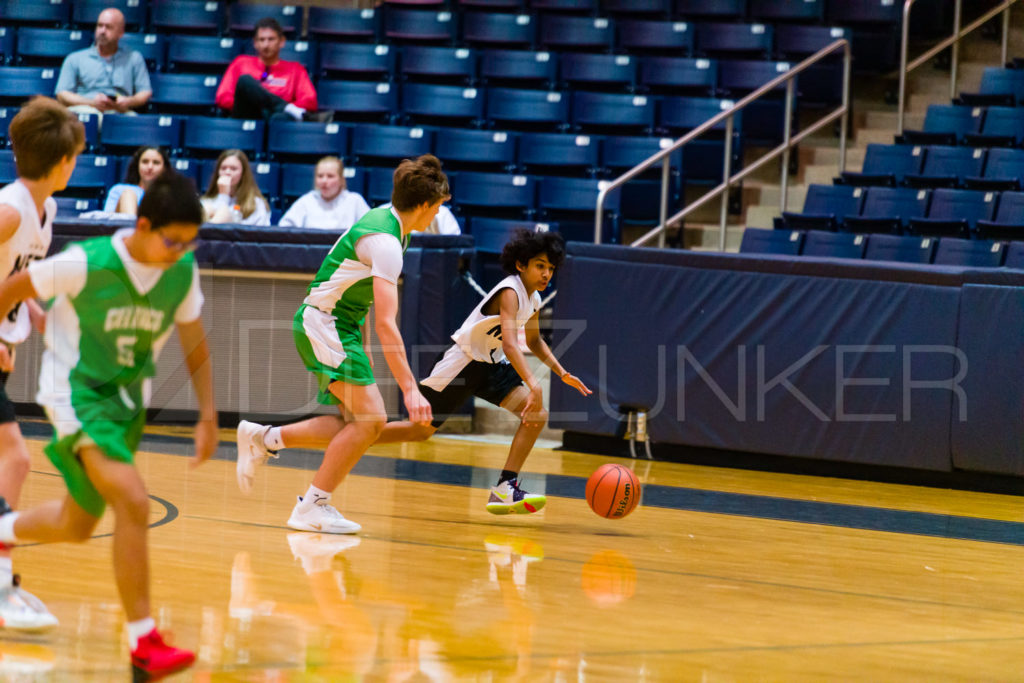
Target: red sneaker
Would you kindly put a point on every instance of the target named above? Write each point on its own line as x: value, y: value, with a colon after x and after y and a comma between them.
x: 153, y: 658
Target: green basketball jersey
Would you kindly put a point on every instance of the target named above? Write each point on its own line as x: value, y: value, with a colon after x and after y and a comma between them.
x: 119, y: 328
x: 343, y: 287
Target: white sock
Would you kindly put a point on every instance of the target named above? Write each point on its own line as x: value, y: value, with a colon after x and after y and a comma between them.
x: 7, y: 528
x: 272, y: 439
x: 315, y: 496
x: 6, y: 571
x: 138, y: 629
x: 294, y: 111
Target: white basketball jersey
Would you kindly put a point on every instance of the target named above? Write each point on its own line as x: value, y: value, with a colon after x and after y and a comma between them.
x: 479, y: 337
x: 30, y: 242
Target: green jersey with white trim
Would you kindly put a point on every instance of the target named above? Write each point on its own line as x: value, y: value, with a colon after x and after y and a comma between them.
x: 343, y: 286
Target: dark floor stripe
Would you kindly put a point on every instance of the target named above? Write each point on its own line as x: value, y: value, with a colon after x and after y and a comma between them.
x: 670, y: 497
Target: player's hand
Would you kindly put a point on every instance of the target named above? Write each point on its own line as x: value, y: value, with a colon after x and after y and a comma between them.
x: 533, y: 409
x: 205, y: 440
x: 6, y: 358
x: 575, y: 382
x: 224, y: 184
x: 418, y: 408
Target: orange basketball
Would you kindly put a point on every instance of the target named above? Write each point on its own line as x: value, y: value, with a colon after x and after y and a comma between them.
x: 613, y: 491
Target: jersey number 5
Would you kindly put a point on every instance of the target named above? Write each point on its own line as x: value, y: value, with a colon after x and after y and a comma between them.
x: 126, y: 350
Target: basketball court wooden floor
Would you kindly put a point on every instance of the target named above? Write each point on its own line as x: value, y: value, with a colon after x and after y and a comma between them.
x: 719, y: 575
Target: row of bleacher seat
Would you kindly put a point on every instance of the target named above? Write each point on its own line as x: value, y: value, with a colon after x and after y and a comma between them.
x: 215, y: 16
x: 48, y: 46
x: 942, y: 212
x: 936, y: 166
x: 975, y: 126
x: 946, y: 251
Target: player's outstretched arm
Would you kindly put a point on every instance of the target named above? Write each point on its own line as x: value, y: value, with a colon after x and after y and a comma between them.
x: 197, y: 358
x: 543, y: 351
x: 13, y: 290
x: 385, y: 302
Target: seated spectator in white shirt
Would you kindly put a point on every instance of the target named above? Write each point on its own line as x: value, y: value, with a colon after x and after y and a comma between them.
x: 444, y: 222
x: 329, y: 206
x: 233, y: 195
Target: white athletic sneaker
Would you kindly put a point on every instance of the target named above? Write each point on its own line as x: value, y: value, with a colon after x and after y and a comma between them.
x: 322, y: 517
x: 251, y: 452
x: 508, y: 498
x: 317, y: 550
x: 22, y: 611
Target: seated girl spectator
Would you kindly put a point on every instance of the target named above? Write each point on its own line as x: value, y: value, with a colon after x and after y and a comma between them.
x: 145, y: 165
x: 329, y: 206
x: 233, y: 196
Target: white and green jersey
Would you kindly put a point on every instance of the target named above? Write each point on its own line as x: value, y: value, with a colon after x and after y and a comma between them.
x: 30, y: 242
x: 110, y: 319
x: 343, y: 286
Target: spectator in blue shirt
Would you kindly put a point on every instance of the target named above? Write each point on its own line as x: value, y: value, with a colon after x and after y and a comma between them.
x: 105, y: 78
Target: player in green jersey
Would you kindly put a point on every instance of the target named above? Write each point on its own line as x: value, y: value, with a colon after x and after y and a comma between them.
x: 361, y: 269
x: 116, y: 300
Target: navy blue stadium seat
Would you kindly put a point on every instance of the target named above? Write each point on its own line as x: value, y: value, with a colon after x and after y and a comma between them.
x: 1008, y: 222
x: 69, y: 207
x: 563, y: 32
x: 494, y: 193
x: 764, y: 117
x: 571, y: 203
x: 91, y: 123
x: 592, y: 71
x: 634, y: 8
x: 188, y: 93
x: 302, y: 51
x: 450, y: 104
x: 152, y: 47
x: 92, y: 176
x: 1014, y: 256
x: 620, y: 153
x: 1004, y: 170
x: 886, y: 165
x: 519, y: 67
x: 306, y: 140
x: 715, y: 39
x: 344, y: 24
x: 499, y: 29
x: 947, y: 167
x: 798, y: 40
x: 388, y: 144
x: 900, y: 248
x: 439, y: 64
x: 242, y: 18
x: 703, y: 158
x: 6, y: 114
x: 1003, y: 126
x: 6, y: 45
x: 490, y: 235
x: 86, y: 12
x: 297, y: 180
x: 267, y: 176
x: 206, y: 136
x: 583, y: 6
x: 190, y: 168
x: 864, y: 11
x: 682, y: 114
x: 359, y: 100
x: 527, y: 108
x: 954, y: 213
x: 783, y: 242
x: 379, y: 185
x: 123, y: 134
x: 946, y: 124
x: 187, y: 16
x: 679, y: 75
x: 834, y: 244
x: 646, y: 36
x: 19, y: 83
x: 778, y: 11
x: 825, y: 208
x: 612, y: 112
x: 207, y: 54
x: 641, y: 196
x: 725, y: 10
x: 402, y: 24
x: 969, y: 253
x: 462, y: 148
x: 888, y: 210
x: 502, y: 5
x: 820, y: 84
x: 8, y: 169
x: 358, y: 60
x: 49, y: 46
x: 53, y: 13
x: 562, y: 153
x: 999, y: 86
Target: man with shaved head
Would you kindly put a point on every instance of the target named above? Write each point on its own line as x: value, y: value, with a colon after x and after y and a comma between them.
x: 105, y: 78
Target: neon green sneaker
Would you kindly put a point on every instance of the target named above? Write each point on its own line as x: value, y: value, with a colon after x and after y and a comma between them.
x: 507, y: 498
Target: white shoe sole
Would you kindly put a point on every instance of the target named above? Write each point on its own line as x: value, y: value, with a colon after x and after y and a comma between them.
x: 40, y: 626
x: 299, y: 525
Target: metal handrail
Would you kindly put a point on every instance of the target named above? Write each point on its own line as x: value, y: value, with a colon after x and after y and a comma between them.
x: 953, y: 39
x: 789, y: 141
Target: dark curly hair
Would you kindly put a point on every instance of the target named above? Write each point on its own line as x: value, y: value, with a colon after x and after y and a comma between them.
x: 131, y: 174
x: 527, y: 244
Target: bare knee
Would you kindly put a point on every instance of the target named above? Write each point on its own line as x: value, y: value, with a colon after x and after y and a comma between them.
x: 421, y: 432
x: 79, y: 529
x: 132, y: 506
x: 371, y: 425
x: 17, y: 462
x: 538, y: 420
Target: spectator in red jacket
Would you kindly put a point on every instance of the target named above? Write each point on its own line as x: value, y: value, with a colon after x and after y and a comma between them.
x: 266, y: 86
